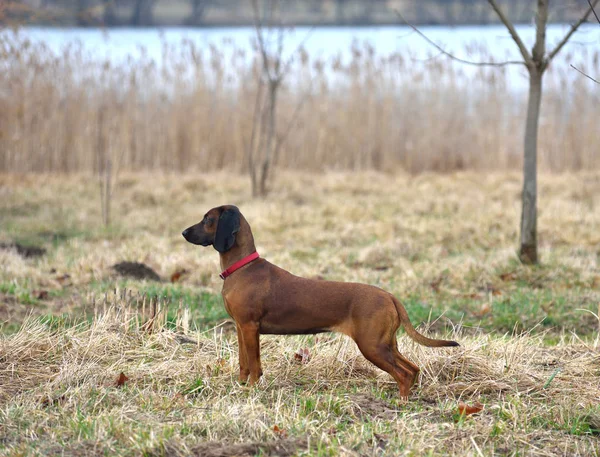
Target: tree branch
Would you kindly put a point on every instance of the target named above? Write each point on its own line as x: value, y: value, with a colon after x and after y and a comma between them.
x: 281, y: 139
x: 584, y: 74
x: 289, y: 62
x: 574, y: 28
x: 513, y: 32
x: 594, y: 11
x: 452, y: 56
x: 539, y: 47
x: 261, y: 42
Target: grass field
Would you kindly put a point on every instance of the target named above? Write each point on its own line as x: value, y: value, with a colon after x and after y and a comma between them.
x: 444, y: 244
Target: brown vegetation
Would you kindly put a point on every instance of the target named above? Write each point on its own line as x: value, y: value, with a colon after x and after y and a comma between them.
x: 196, y: 112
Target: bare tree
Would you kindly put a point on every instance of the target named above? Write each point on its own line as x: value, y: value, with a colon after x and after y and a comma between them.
x: 264, y: 143
x: 536, y: 62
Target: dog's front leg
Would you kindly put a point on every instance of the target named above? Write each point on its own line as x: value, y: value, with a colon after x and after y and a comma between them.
x: 244, y: 369
x: 250, y: 337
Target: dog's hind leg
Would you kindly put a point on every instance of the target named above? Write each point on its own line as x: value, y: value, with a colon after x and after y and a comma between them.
x: 378, y: 344
x: 402, y: 361
x: 382, y: 357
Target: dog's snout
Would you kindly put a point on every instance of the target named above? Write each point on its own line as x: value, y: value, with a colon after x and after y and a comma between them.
x: 186, y: 232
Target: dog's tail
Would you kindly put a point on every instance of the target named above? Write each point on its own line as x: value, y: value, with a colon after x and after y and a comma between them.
x: 412, y: 332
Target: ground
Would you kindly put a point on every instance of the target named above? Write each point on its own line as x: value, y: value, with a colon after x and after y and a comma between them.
x: 444, y: 244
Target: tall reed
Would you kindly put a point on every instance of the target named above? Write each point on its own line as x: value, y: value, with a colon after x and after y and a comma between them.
x: 195, y: 111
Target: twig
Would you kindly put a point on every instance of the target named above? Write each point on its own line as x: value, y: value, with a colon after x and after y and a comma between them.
x: 452, y: 56
x: 257, y: 108
x: 594, y: 11
x: 513, y: 33
x: 574, y: 28
x: 298, y: 48
x: 261, y: 43
x: 586, y: 75
x: 281, y: 138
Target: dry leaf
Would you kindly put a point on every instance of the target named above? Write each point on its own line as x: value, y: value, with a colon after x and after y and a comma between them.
x: 466, y: 410
x: 122, y: 379
x: 175, y: 277
x: 280, y: 432
x: 302, y: 355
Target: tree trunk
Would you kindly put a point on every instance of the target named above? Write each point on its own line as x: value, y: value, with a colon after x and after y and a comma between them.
x: 528, y: 251
x: 270, y: 140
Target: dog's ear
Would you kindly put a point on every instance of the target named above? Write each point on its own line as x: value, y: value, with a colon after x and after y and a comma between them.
x: 229, y: 225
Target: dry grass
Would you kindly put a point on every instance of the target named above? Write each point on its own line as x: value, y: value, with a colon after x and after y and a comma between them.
x: 370, y: 227
x: 196, y: 111
x: 59, y: 386
x: 444, y: 244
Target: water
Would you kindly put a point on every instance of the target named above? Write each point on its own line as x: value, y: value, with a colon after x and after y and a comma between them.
x: 118, y: 45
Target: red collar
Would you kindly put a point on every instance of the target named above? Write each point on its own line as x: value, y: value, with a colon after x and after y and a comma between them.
x: 239, y: 264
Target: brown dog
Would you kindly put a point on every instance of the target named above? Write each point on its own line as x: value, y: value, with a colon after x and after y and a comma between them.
x: 263, y: 298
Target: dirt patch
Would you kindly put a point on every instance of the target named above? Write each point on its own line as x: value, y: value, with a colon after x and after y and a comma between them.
x: 80, y: 449
x: 136, y: 270
x: 367, y: 405
x: 24, y: 251
x: 279, y: 448
x: 13, y: 311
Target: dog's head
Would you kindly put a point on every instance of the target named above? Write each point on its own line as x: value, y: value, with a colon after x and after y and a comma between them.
x: 218, y: 227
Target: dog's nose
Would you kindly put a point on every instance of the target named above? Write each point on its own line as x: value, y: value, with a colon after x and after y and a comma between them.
x: 185, y: 233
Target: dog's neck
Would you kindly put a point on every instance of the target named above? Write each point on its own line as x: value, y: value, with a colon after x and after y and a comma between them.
x: 243, y: 246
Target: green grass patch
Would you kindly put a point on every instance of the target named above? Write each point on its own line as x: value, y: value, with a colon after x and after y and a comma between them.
x: 22, y: 292
x: 206, y: 309
x: 518, y: 310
